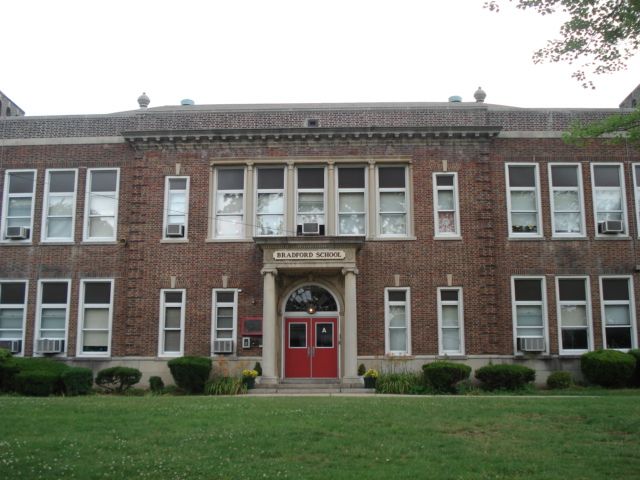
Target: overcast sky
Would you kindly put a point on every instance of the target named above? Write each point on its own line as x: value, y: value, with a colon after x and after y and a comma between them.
x: 79, y: 57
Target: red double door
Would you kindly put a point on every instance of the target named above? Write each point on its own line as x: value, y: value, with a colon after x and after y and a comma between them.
x: 311, y: 347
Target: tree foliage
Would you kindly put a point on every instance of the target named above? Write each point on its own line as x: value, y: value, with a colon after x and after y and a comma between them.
x: 600, y: 34
x: 624, y: 127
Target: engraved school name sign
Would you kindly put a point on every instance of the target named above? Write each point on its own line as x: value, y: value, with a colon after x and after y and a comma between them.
x: 309, y: 255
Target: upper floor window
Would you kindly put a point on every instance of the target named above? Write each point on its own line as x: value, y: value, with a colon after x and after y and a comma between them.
x: 352, y: 201
x: 101, y: 208
x: 445, y: 205
x: 609, y: 201
x: 636, y: 183
x: 17, y: 205
x: 172, y: 307
x: 13, y: 309
x: 310, y: 199
x: 229, y: 222
x: 567, y: 205
x: 618, y: 312
x: 270, y: 206
x: 95, y: 316
x: 176, y: 210
x: 574, y: 314
x: 529, y: 313
x: 397, y: 316
x: 523, y: 200
x: 450, y: 320
x: 392, y: 201
x: 58, y: 217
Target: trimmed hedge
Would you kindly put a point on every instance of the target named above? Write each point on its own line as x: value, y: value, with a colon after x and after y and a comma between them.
x: 635, y: 379
x: 608, y: 368
x: 118, y: 379
x: 190, y: 373
x: 442, y: 376
x: 77, y: 381
x: 36, y: 376
x: 505, y: 377
x: 156, y: 385
x: 559, y: 380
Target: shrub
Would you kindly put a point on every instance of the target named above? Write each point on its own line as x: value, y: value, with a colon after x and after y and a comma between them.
x: 225, y: 386
x: 505, y: 377
x: 156, y: 385
x: 8, y: 370
x: 190, y: 373
x: 77, y: 381
x: 635, y: 379
x: 559, y: 380
x: 36, y: 376
x: 4, y: 354
x: 400, y: 383
x: 258, y: 368
x: 608, y: 368
x: 442, y: 376
x: 361, y: 369
x: 118, y: 379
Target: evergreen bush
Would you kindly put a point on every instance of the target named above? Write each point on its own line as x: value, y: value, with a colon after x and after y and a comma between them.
x: 505, y: 377
x: 361, y: 369
x: 635, y: 379
x: 258, y: 368
x: 608, y: 368
x: 442, y: 376
x: 559, y: 380
x: 156, y: 385
x: 118, y: 379
x: 77, y: 380
x: 190, y: 373
x: 36, y: 376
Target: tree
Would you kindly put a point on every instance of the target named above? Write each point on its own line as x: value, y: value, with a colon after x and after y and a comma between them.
x: 616, y: 128
x: 600, y: 34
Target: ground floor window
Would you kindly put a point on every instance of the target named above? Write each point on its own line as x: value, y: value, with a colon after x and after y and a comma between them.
x: 529, y: 313
x: 618, y: 312
x: 397, y: 309
x: 574, y: 315
x: 13, y: 306
x: 95, y: 317
x: 225, y: 319
x: 450, y: 318
x: 172, y: 312
x: 52, y: 316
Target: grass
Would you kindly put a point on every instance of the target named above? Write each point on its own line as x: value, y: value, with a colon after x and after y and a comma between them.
x: 164, y: 437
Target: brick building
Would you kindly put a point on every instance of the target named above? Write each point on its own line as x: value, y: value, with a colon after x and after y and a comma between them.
x: 313, y: 238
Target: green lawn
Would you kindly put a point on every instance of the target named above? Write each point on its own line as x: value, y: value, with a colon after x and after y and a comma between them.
x: 320, y: 437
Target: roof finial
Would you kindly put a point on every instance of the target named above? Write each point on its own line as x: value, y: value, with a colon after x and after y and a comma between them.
x: 143, y: 100
x: 480, y: 95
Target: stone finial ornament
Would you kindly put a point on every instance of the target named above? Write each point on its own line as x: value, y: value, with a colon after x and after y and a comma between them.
x: 480, y: 95
x: 143, y: 100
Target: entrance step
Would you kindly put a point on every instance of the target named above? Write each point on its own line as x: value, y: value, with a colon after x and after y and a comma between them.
x: 309, y: 387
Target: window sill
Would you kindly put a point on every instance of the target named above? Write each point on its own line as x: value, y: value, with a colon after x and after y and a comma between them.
x: 612, y: 237
x: 391, y: 239
x: 13, y: 243
x: 47, y: 242
x: 229, y: 240
x: 526, y: 239
x: 458, y: 238
x: 452, y: 356
x: 100, y: 242
x: 174, y: 240
x: 567, y: 238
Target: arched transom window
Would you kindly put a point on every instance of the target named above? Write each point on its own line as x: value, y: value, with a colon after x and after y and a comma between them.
x: 311, y: 299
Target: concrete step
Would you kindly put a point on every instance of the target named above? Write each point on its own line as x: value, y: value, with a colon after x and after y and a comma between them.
x: 277, y: 390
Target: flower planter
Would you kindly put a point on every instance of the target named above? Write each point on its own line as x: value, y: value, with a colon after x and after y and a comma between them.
x: 250, y: 382
x: 369, y: 382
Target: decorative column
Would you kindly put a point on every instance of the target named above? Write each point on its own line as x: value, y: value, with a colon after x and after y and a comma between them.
x: 350, y: 343
x: 269, y: 311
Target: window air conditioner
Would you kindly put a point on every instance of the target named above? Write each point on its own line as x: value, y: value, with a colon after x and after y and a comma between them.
x: 14, y: 346
x: 527, y: 344
x: 312, y: 228
x: 175, y: 230
x: 246, y: 342
x: 49, y: 345
x: 223, y: 346
x: 17, y: 233
x: 611, y: 226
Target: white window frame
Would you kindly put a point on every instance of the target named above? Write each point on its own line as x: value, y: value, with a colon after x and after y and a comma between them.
x: 163, y: 329
x: 16, y: 305
x: 87, y: 207
x: 40, y: 306
x: 630, y: 303
x: 243, y: 191
x: 407, y: 202
x: 365, y: 193
x: 407, y: 305
x: 542, y: 302
x: 636, y: 188
x: 579, y: 189
x: 312, y: 190
x: 165, y: 216
x: 460, y: 306
x: 45, y: 206
x: 5, y: 204
x: 623, y: 199
x: 586, y: 303
x: 214, y: 318
x: 282, y: 190
x: 81, y: 308
x: 456, y: 205
x: 536, y: 189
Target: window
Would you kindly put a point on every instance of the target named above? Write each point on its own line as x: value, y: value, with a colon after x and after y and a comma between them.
x: 392, y: 201
x: 101, y: 209
x: 13, y: 309
x: 529, y: 309
x: 58, y: 212
x: 450, y: 321
x: 523, y: 200
x: 567, y: 205
x: 95, y: 317
x: 310, y: 195
x: 17, y: 205
x: 574, y: 314
x: 225, y: 314
x: 53, y: 310
x: 445, y: 205
x: 397, y: 315
x: 229, y: 203
x: 618, y: 312
x: 636, y: 183
x: 352, y: 201
x: 270, y: 204
x: 176, y: 211
x: 172, y: 309
x: 609, y: 201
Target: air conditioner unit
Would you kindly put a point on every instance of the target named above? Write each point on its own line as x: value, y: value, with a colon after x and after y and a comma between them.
x: 611, y: 226
x: 311, y: 228
x: 223, y: 346
x: 531, y: 344
x: 14, y: 346
x: 49, y: 345
x: 175, y: 230
x: 17, y: 233
x: 246, y: 342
